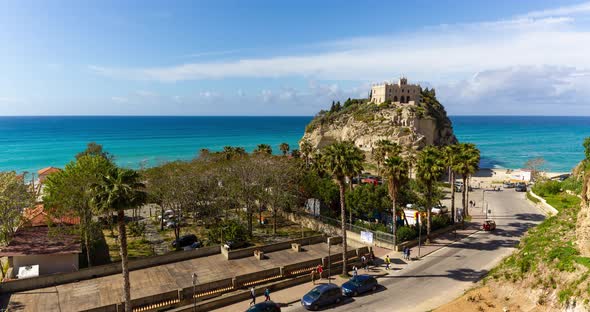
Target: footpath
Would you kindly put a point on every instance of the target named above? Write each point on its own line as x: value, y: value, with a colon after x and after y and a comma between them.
x: 292, y: 296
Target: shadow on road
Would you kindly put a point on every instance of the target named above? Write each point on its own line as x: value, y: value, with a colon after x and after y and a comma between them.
x: 464, y: 275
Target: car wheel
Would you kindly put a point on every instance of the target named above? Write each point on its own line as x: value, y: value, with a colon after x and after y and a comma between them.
x: 315, y: 307
x: 374, y: 288
x: 338, y: 300
x: 356, y: 293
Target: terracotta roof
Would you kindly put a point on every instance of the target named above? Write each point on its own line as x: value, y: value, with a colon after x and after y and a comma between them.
x: 40, y: 241
x: 48, y: 170
x: 37, y: 216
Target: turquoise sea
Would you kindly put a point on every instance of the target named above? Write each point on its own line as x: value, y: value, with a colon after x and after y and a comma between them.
x: 31, y: 143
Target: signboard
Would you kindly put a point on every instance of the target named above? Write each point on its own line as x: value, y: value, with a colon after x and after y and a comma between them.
x: 312, y: 205
x: 367, y: 237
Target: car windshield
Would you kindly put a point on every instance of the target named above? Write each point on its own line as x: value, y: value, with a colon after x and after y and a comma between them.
x: 356, y: 281
x: 314, y: 293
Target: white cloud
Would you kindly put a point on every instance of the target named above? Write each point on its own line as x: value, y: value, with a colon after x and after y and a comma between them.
x: 565, y: 10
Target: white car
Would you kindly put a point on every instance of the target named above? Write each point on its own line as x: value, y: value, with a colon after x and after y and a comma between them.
x: 439, y: 209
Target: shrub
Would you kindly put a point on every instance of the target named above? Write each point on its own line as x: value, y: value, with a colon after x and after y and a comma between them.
x: 439, y: 222
x: 136, y: 228
x: 547, y: 188
x: 406, y: 233
x: 230, y: 230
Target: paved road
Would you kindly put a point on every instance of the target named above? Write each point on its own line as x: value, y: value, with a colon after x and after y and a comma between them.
x: 445, y: 274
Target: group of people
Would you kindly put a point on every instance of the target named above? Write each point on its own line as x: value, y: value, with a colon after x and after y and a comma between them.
x: 316, y: 271
x: 407, y: 253
x: 253, y: 295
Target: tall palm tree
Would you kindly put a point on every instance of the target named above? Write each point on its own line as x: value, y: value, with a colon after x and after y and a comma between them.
x: 467, y: 163
x: 306, y: 150
x: 341, y: 160
x: 451, y: 153
x: 382, y: 149
x: 284, y: 147
x: 118, y: 190
x: 395, y: 169
x: 263, y: 149
x: 429, y: 169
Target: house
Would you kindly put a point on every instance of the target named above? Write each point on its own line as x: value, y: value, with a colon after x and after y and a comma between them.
x: 38, y: 249
x: 43, y: 173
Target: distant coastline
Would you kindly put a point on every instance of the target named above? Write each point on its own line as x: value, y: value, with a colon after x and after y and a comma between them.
x: 28, y: 143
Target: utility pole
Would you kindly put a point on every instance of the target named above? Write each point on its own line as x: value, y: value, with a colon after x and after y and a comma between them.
x: 419, y: 234
x: 329, y: 262
x: 194, y: 292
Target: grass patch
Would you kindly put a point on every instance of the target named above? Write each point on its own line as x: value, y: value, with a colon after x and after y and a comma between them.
x: 137, y: 247
x: 562, y: 200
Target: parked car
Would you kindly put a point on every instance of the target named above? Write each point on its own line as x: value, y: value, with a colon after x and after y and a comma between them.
x: 321, y: 295
x: 359, y: 284
x: 171, y: 224
x: 439, y: 209
x: 509, y: 185
x: 229, y: 245
x: 489, y: 225
x: 520, y: 187
x: 185, y: 240
x: 370, y: 180
x: 267, y: 306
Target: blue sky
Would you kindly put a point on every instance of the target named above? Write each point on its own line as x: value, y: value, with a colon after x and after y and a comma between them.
x: 290, y: 57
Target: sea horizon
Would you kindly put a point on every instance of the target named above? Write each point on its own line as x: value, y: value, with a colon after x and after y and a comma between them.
x: 29, y: 143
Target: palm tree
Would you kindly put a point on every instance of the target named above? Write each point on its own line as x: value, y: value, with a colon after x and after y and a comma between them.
x: 395, y: 169
x: 263, y: 149
x: 467, y: 163
x: 120, y: 189
x: 284, y: 147
x: 341, y: 160
x: 451, y: 153
x: 306, y: 150
x: 428, y: 171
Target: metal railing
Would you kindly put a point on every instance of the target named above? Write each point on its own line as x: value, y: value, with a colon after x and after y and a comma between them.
x: 377, y: 235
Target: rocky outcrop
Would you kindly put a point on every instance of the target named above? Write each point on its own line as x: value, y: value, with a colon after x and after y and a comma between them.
x: 365, y: 123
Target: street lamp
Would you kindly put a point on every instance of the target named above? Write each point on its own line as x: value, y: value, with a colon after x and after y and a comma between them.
x: 329, y: 262
x: 194, y: 292
x: 419, y: 234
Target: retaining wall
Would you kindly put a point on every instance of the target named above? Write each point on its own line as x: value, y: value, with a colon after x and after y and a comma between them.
x: 248, y: 252
x: 544, y: 205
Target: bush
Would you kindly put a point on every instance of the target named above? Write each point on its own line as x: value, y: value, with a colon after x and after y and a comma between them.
x: 136, y: 228
x: 406, y: 233
x: 547, y: 188
x: 230, y: 230
x: 439, y: 222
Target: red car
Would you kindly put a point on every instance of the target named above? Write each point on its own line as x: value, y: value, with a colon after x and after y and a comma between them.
x: 489, y: 225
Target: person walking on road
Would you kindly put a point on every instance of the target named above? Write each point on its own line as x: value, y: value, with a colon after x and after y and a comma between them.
x: 364, y: 262
x: 313, y: 276
x: 266, y: 295
x: 405, y: 252
x: 355, y: 271
x: 387, y: 262
x: 409, y: 252
x: 252, y: 296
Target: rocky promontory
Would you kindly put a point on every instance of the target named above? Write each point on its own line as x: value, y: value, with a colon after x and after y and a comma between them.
x: 411, y: 125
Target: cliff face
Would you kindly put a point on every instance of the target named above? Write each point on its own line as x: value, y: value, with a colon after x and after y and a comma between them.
x: 364, y: 123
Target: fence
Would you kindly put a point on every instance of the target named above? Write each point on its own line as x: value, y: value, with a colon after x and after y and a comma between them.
x: 377, y: 235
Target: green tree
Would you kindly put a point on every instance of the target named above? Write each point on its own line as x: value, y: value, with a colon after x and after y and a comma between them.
x: 263, y: 149
x: 383, y: 148
x: 341, y: 160
x: 306, y: 150
x: 429, y: 170
x: 14, y: 196
x: 396, y: 171
x: 94, y: 149
x: 586, y: 145
x: 69, y: 192
x: 295, y: 153
x: 467, y: 163
x: 119, y: 190
x: 451, y: 153
x: 284, y: 147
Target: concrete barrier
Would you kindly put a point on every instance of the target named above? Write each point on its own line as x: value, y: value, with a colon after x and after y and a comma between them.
x: 550, y: 210
x: 157, y: 301
x: 103, y: 270
x: 247, y: 280
x: 301, y: 267
x: 249, y: 252
x: 208, y: 290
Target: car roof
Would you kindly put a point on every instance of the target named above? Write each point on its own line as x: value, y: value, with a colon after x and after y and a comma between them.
x: 323, y: 287
x: 363, y: 277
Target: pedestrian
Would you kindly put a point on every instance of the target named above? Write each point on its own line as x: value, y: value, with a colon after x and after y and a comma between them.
x: 371, y: 258
x: 266, y: 295
x: 320, y: 271
x: 387, y: 262
x: 253, y: 296
x: 364, y: 261
x: 354, y: 271
x: 313, y: 276
x: 405, y: 253
x: 409, y: 252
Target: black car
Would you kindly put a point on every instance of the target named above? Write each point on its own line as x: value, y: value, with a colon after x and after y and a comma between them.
x: 520, y: 187
x: 321, y: 295
x: 230, y: 245
x: 267, y: 306
x: 185, y: 240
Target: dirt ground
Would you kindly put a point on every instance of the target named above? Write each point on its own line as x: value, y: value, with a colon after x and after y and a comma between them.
x: 485, y: 298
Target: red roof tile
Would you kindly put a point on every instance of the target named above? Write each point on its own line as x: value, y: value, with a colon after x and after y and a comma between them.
x: 40, y: 241
x: 37, y: 216
x: 48, y: 170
